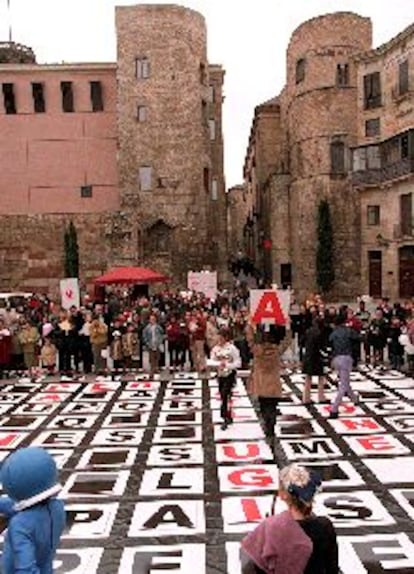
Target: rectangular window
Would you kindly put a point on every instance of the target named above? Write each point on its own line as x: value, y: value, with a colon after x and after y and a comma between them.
x: 359, y: 159
x: 66, y: 89
x: 214, y: 189
x: 204, y: 112
x: 203, y: 75
x: 142, y: 68
x: 9, y: 99
x: 373, y: 157
x: 372, y: 127
x: 342, y: 75
x: 406, y: 214
x: 337, y: 157
x: 212, y: 128
x: 300, y: 70
x: 97, y: 97
x: 142, y: 113
x: 373, y: 214
x: 145, y: 178
x: 405, y: 150
x: 211, y: 94
x: 206, y: 179
x: 372, y: 90
x: 86, y: 191
x: 38, y: 94
x: 403, y: 78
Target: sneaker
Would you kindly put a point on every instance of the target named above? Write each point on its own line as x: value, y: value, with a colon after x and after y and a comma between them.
x: 229, y: 421
x: 357, y: 398
x: 224, y: 425
x: 333, y: 416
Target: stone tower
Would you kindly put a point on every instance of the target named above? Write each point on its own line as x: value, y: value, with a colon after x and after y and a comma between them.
x: 165, y: 153
x: 319, y: 109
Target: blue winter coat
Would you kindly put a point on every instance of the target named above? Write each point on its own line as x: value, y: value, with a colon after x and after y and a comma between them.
x: 32, y: 538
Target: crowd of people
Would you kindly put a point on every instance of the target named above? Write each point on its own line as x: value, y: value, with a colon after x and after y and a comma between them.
x: 179, y: 329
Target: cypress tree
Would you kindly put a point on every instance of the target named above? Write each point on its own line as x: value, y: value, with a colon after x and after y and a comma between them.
x: 325, y: 272
x: 71, y: 251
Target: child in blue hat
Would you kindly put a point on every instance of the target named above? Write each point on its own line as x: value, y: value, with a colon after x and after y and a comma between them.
x: 36, y: 517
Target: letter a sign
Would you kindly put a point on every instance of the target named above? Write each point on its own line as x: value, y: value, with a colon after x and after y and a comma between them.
x: 269, y: 306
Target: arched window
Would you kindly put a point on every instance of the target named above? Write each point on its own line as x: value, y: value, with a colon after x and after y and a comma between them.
x: 158, y: 238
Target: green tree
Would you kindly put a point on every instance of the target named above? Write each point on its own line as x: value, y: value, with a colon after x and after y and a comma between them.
x: 71, y: 251
x: 325, y: 271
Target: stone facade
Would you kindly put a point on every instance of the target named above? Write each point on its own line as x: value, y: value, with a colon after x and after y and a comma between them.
x: 383, y: 167
x: 316, y: 123
x: 156, y: 171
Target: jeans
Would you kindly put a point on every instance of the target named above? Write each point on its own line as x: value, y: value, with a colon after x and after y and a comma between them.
x: 343, y: 364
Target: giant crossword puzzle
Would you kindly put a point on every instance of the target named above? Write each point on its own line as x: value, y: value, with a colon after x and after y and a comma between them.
x: 152, y: 484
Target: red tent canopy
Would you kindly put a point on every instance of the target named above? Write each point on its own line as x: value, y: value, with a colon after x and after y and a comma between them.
x: 130, y: 275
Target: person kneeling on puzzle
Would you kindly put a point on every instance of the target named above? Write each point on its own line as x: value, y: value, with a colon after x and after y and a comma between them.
x: 225, y: 356
x: 36, y: 518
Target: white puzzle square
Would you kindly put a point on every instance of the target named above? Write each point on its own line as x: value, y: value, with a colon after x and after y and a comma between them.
x: 248, y: 478
x: 239, y: 415
x: 118, y: 437
x: 139, y: 395
x: 19, y: 422
x: 143, y: 386
x: 62, y: 387
x: 77, y: 561
x: 168, y: 518
x: 86, y: 521
x: 177, y: 434
x: 405, y: 498
x: 172, y: 418
x: 294, y: 427
x: 125, y: 407
x: 356, y: 425
x: 310, y: 448
x: 243, y: 452
x: 234, y: 403
x: 354, y: 509
x: 178, y: 559
x: 59, y: 438
x: 57, y: 398
x: 241, y: 514
x: 347, y: 409
x: 239, y: 431
x: 122, y: 420
x: 392, y: 470
x: 167, y: 481
x: 176, y: 455
x: 95, y: 484
x: 389, y: 407
x: 81, y: 422
x: 402, y: 423
x: 10, y: 440
x: 182, y: 405
x: 376, y: 553
x: 106, y: 458
x: 376, y: 445
x: 335, y: 473
x: 83, y: 408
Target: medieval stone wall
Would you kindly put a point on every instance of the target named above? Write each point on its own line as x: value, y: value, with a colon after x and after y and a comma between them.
x: 318, y: 112
x: 171, y: 144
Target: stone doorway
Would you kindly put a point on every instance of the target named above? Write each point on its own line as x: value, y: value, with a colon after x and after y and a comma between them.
x: 375, y: 273
x: 407, y: 271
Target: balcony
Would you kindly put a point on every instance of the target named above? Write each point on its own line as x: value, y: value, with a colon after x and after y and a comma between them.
x: 386, y: 173
x: 401, y: 233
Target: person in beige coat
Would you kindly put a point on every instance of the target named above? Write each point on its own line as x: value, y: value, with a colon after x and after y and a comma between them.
x: 265, y: 382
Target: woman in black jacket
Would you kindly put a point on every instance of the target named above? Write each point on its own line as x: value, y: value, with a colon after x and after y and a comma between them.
x: 313, y: 361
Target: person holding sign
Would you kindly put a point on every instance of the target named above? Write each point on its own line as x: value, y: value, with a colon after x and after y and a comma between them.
x: 268, y: 341
x: 226, y: 357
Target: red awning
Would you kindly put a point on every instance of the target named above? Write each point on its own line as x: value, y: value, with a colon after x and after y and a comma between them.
x: 131, y: 275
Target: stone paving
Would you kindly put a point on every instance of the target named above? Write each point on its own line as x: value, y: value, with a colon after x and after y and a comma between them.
x: 152, y: 484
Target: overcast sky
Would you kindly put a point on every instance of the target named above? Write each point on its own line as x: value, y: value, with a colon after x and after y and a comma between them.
x: 248, y: 37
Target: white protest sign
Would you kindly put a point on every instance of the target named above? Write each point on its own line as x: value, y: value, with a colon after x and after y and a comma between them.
x: 203, y: 282
x: 269, y: 306
x: 69, y: 292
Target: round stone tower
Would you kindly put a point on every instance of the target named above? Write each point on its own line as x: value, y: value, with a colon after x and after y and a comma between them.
x: 164, y: 159
x: 321, y: 118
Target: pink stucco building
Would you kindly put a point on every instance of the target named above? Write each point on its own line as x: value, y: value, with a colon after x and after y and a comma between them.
x: 58, y: 143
